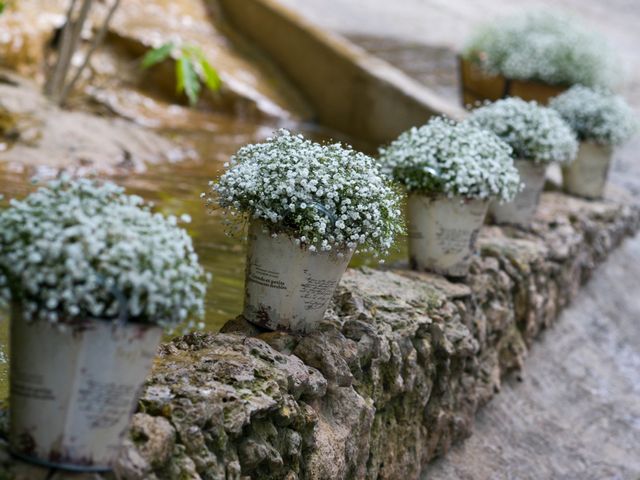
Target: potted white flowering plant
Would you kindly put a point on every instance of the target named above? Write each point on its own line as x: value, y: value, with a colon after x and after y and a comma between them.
x: 535, y: 56
x: 93, y: 275
x: 601, y: 120
x: 450, y: 171
x: 538, y: 136
x: 310, y: 206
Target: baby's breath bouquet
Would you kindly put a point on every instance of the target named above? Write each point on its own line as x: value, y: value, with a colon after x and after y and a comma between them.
x: 452, y: 159
x: 543, y: 46
x: 596, y: 115
x: 77, y: 249
x: 324, y: 196
x: 536, y: 133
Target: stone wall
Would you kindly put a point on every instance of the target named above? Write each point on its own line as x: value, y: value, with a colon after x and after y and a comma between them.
x: 395, y: 375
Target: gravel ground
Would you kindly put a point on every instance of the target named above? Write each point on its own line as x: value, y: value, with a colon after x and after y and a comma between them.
x: 576, y: 412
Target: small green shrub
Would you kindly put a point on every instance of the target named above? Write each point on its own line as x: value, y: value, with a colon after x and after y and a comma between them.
x: 445, y: 157
x: 192, y: 68
x: 78, y: 249
x: 543, y: 46
x: 596, y: 115
x: 536, y: 133
x: 325, y: 196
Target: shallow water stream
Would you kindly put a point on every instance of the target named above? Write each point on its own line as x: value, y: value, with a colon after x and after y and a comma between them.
x: 175, y: 189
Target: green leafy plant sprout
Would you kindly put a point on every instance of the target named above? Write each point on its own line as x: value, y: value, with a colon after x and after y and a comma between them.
x: 192, y: 68
x: 5, y: 4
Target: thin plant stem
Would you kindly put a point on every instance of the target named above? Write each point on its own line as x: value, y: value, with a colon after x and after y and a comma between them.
x: 66, y: 54
x: 56, y: 71
x: 97, y: 41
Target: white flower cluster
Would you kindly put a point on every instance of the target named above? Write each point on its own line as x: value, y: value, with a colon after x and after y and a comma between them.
x: 543, y: 46
x: 535, y: 133
x: 77, y: 249
x: 325, y: 196
x: 445, y: 157
x: 596, y: 115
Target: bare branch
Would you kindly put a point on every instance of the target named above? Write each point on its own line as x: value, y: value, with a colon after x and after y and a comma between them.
x: 66, y: 54
x: 97, y: 41
x: 56, y: 71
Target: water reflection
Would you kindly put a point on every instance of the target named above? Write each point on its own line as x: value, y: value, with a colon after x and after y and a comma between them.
x: 175, y: 188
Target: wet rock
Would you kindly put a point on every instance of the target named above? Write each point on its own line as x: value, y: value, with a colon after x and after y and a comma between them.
x: 153, y: 437
x: 28, y: 31
x: 133, y: 465
x: 331, y: 354
x: 26, y: 27
x: 34, y: 135
x: 242, y: 326
x: 142, y: 24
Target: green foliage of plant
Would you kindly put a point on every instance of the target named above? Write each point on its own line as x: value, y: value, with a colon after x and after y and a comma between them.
x: 78, y: 249
x: 535, y: 133
x: 157, y: 55
x: 445, y: 157
x: 192, y: 68
x: 5, y: 5
x: 596, y: 115
x: 543, y: 46
x: 327, y: 197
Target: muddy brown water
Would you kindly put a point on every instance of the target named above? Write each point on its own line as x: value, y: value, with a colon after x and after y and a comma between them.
x: 175, y: 189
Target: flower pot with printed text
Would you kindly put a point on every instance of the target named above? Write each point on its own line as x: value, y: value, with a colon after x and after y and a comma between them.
x: 443, y: 233
x: 521, y: 210
x: 288, y: 286
x: 93, y: 276
x: 74, y: 389
x: 587, y: 175
x: 602, y: 121
x: 451, y: 170
x: 538, y: 137
x: 310, y: 207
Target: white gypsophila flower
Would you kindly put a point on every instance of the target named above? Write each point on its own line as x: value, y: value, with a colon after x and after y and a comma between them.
x: 445, y: 157
x: 325, y: 196
x: 535, y: 133
x: 543, y: 46
x: 596, y: 114
x: 78, y: 249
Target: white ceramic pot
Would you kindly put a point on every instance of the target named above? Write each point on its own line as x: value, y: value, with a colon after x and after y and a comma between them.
x: 443, y: 232
x: 521, y: 210
x: 288, y: 287
x: 73, y: 392
x: 586, y: 176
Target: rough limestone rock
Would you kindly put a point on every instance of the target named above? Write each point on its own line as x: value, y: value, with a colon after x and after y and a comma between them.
x: 34, y: 136
x: 393, y: 377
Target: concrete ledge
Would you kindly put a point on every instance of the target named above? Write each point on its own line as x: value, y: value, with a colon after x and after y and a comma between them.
x: 350, y: 90
x: 403, y: 362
